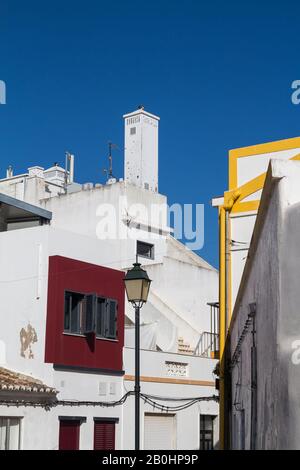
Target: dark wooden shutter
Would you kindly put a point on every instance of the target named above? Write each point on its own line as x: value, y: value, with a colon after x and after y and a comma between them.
x: 90, y: 313
x: 100, y: 317
x: 69, y: 435
x: 104, y: 435
x: 111, y: 318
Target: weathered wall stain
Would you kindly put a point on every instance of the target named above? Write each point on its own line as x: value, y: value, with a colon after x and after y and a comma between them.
x: 28, y: 337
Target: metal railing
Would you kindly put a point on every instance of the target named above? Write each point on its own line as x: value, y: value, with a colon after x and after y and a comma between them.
x: 208, y: 345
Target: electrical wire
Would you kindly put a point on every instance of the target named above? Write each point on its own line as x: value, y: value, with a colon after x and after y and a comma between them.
x: 105, y: 404
x: 159, y: 398
x: 167, y: 408
x: 152, y: 400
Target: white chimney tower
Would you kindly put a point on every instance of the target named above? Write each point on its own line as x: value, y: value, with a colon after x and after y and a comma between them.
x: 141, y: 149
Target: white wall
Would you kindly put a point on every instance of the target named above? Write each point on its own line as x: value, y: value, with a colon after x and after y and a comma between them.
x: 86, y: 213
x: 272, y: 283
x: 23, y: 289
x: 185, y: 289
x: 153, y: 365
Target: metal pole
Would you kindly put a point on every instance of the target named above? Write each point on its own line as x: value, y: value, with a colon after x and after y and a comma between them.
x: 137, y: 378
x: 222, y: 328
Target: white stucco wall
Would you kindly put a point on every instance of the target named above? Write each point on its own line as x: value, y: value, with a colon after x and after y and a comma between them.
x: 23, y: 288
x: 24, y: 277
x: 272, y: 283
x: 153, y: 365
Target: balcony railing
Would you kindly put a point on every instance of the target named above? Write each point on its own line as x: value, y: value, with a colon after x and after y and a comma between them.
x: 208, y: 343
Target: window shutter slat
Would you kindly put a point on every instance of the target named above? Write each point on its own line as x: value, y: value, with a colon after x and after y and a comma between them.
x: 104, y: 435
x: 69, y: 435
x: 90, y: 313
x: 111, y: 315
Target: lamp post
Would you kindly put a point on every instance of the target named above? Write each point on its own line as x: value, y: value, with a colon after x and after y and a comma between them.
x: 137, y: 285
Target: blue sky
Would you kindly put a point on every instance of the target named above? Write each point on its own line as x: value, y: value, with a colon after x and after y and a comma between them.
x: 218, y: 74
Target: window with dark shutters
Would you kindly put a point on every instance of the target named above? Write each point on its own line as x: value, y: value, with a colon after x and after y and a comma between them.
x: 69, y: 434
x: 104, y: 435
x: 87, y: 313
x: 111, y: 316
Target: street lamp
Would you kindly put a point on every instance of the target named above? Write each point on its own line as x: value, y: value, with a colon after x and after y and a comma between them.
x: 137, y: 285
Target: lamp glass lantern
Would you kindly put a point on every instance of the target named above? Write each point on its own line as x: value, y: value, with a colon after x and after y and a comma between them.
x: 137, y: 285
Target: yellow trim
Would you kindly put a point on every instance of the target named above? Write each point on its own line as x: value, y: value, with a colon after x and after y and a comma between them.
x: 169, y: 380
x: 222, y: 281
x: 229, y: 275
x: 222, y: 314
x: 296, y: 157
x: 269, y: 147
x: 232, y: 170
x: 251, y: 187
x: 248, y: 206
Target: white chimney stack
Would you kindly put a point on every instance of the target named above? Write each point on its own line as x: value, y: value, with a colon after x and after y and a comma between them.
x: 71, y: 170
x: 9, y: 172
x: 141, y: 149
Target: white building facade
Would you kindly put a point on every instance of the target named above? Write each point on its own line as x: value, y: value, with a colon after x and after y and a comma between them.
x: 53, y: 232
x: 263, y: 347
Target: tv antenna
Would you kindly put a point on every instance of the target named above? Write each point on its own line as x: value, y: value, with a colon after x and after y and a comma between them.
x: 109, y: 171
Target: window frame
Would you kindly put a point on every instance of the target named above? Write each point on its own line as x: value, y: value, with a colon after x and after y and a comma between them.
x: 106, y: 301
x: 7, y: 431
x: 69, y: 332
x: 203, y: 431
x: 152, y: 249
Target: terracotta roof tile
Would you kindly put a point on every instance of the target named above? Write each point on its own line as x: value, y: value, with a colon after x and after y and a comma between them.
x: 14, y: 381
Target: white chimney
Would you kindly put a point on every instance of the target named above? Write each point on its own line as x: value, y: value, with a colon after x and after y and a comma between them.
x: 71, y: 171
x: 9, y: 172
x: 141, y: 149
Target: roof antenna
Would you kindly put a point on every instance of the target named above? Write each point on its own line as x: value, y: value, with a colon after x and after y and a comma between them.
x: 109, y: 172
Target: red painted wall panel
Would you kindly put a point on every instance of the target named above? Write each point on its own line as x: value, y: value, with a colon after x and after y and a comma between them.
x: 69, y: 350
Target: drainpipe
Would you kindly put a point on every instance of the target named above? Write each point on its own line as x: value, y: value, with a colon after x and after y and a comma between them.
x: 227, y: 261
x: 225, y: 302
x: 222, y: 323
